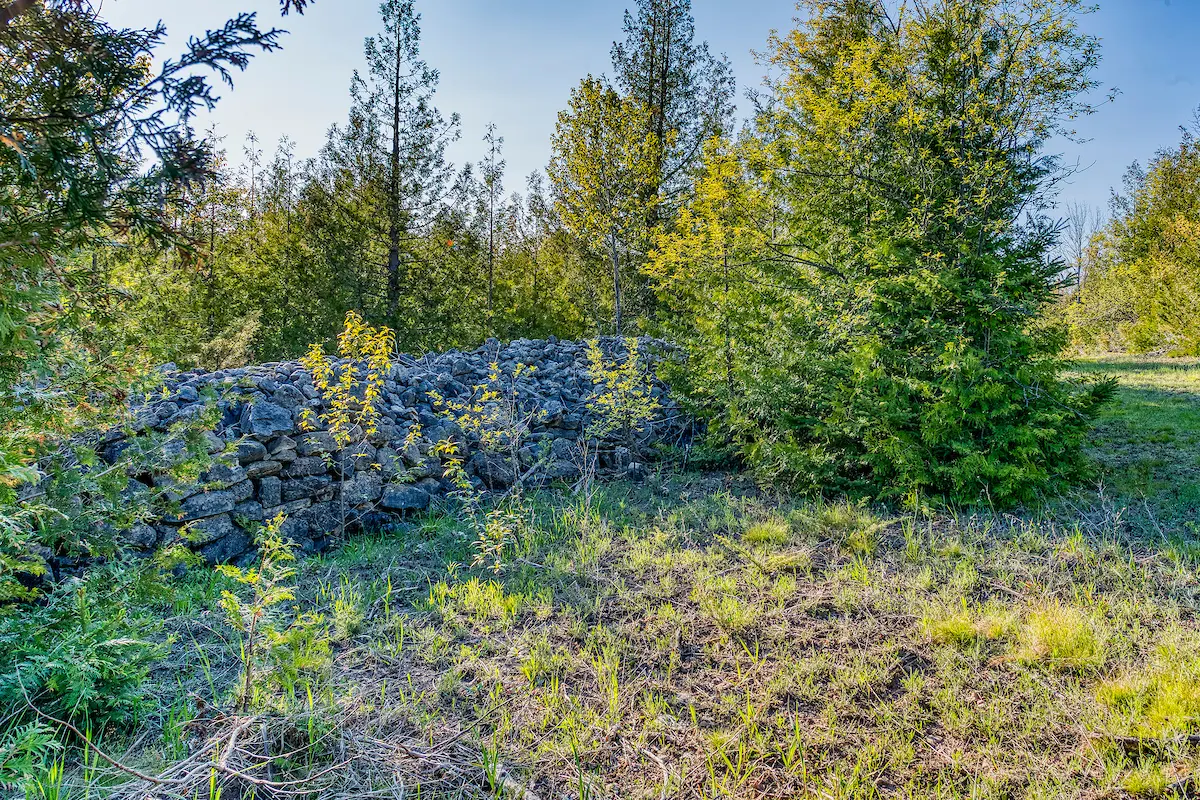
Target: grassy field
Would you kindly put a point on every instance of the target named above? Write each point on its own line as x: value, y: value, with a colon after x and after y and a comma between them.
x: 693, y: 637
x: 1147, y: 444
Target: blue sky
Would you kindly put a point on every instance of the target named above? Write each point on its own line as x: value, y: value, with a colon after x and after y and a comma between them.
x: 514, y: 62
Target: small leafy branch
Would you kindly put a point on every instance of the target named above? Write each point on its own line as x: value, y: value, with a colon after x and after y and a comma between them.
x: 623, y: 401
x: 352, y: 398
x: 494, y: 527
x: 279, y: 652
x: 495, y: 413
x: 351, y: 401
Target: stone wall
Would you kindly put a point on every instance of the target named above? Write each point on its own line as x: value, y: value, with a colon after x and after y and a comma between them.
x: 268, y: 463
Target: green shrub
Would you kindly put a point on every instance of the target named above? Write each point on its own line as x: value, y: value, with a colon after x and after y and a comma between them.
x: 81, y: 655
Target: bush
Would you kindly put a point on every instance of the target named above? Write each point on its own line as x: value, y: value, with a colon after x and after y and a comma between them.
x: 80, y: 655
x: 883, y: 334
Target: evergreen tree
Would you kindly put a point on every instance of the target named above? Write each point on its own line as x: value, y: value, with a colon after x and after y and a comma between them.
x: 687, y: 92
x: 393, y: 112
x: 902, y: 253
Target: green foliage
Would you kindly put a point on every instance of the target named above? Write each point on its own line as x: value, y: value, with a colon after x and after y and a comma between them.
x: 1062, y: 636
x: 859, y: 282
x: 284, y: 656
x: 24, y: 752
x: 602, y: 173
x: 686, y: 90
x: 353, y: 388
x: 81, y: 655
x: 1161, y: 699
x: 92, y: 140
x: 46, y: 517
x: 1142, y: 287
x: 622, y: 397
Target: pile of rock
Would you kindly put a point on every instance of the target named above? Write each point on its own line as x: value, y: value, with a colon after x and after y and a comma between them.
x: 270, y: 463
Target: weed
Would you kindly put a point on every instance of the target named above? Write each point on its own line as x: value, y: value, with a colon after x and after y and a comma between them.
x: 772, y: 531
x: 966, y: 623
x: 1061, y: 636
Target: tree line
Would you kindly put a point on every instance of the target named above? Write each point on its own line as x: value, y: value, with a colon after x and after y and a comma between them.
x: 861, y: 275
x: 1138, y: 286
x: 269, y: 255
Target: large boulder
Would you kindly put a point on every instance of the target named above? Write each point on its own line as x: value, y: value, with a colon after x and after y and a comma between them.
x: 263, y: 420
x: 402, y: 497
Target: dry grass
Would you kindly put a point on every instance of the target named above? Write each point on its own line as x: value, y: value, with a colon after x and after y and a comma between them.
x: 701, y: 640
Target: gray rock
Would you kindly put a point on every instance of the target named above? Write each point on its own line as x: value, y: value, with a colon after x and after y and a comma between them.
x: 315, y: 444
x: 261, y: 469
x: 354, y: 458
x: 202, y: 531
x: 635, y: 471
x: 564, y: 450
x: 399, y: 497
x: 493, y: 469
x: 389, y: 461
x: 141, y: 535
x: 227, y: 548
x: 222, y: 476
x: 270, y: 491
x: 206, y: 504
x: 363, y: 488
x: 263, y: 420
x: 250, y: 450
x: 287, y: 509
x: 323, y: 518
x: 305, y: 488
x: 288, y: 396
x: 213, y: 443
x: 552, y: 412
x: 242, y: 491
x: 250, y: 510
x: 411, y: 454
x: 561, y: 470
x: 305, y: 466
x: 295, y: 528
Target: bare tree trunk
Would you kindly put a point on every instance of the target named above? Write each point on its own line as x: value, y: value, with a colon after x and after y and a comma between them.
x: 491, y: 249
x: 616, y: 266
x: 393, y: 266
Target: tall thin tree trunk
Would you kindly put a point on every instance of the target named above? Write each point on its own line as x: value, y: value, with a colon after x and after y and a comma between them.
x: 616, y: 265
x: 393, y: 267
x: 491, y: 246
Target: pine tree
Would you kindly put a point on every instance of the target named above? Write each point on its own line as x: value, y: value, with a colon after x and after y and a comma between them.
x: 393, y: 106
x: 687, y: 92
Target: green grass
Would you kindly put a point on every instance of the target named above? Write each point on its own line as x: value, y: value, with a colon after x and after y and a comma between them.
x: 694, y: 637
x: 1147, y: 443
